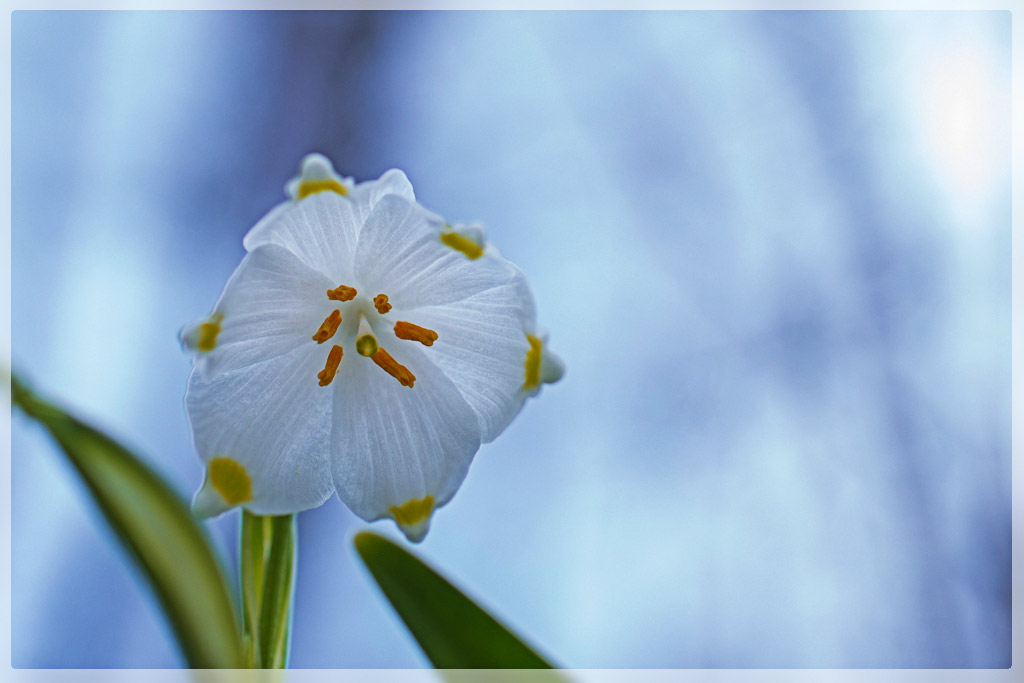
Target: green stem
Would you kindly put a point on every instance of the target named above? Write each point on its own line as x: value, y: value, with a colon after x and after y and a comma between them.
x: 267, y: 567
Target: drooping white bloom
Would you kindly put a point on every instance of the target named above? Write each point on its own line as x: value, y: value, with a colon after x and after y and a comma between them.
x: 362, y: 346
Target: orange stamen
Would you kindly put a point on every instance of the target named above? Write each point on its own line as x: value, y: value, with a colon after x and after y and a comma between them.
x: 381, y: 303
x: 404, y: 330
x: 342, y: 293
x: 331, y: 369
x: 328, y: 328
x: 394, y: 368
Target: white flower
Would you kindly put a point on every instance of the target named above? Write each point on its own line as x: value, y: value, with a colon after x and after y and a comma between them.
x: 363, y: 346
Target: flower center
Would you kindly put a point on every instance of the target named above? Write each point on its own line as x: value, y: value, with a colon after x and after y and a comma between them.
x: 366, y: 343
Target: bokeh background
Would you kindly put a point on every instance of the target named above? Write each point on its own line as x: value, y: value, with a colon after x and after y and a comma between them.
x: 773, y: 248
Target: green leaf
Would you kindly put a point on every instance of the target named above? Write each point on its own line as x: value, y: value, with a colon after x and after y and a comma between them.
x: 159, y: 532
x: 267, y: 569
x: 454, y: 632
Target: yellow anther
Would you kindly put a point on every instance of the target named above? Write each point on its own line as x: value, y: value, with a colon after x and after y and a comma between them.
x: 229, y: 478
x: 328, y: 328
x: 208, y: 331
x: 331, y: 369
x: 413, y: 511
x: 532, y: 364
x: 308, y: 187
x: 404, y: 330
x: 380, y: 302
x: 342, y: 293
x: 471, y: 249
x: 383, y: 359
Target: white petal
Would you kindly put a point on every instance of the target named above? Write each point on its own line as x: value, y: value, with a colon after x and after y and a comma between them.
x: 392, y: 182
x: 272, y: 304
x: 321, y: 230
x: 481, y: 346
x: 273, y: 419
x: 393, y: 444
x: 401, y: 254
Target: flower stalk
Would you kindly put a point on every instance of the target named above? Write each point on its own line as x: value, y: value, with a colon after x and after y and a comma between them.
x: 267, y: 568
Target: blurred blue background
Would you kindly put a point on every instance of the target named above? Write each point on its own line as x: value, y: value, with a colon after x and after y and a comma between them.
x: 773, y: 248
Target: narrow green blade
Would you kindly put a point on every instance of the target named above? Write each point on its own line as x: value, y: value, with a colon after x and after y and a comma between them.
x: 159, y: 532
x: 267, y: 571
x: 454, y: 632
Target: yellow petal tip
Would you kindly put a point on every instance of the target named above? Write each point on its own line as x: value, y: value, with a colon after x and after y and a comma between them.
x: 532, y: 364
x: 462, y: 244
x: 308, y: 187
x: 230, y: 479
x: 206, y: 337
x: 413, y: 517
